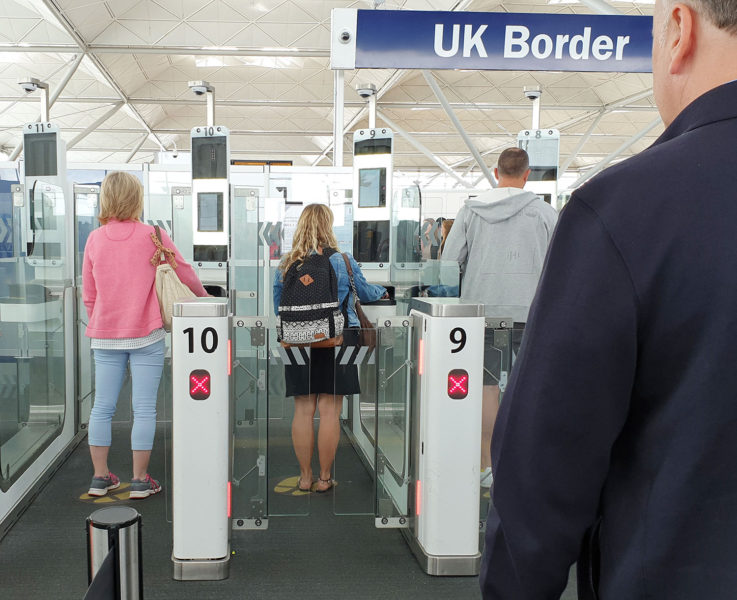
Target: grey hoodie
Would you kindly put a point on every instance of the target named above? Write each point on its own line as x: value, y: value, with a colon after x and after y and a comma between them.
x: 500, y: 240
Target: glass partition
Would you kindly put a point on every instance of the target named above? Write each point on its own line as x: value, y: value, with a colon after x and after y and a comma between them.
x: 34, y: 273
x: 86, y: 208
x: 498, y: 358
x: 392, y: 420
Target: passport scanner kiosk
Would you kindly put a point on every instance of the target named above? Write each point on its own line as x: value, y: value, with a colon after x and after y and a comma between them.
x: 201, y: 439
x: 373, y: 170
x: 210, y: 197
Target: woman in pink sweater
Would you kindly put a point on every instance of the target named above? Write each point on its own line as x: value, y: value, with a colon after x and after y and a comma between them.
x: 125, y: 326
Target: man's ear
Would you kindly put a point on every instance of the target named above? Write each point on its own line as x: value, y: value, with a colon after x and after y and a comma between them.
x: 526, y: 175
x: 681, y: 42
x: 496, y: 173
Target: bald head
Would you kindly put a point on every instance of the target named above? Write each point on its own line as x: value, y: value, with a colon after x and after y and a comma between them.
x: 694, y: 50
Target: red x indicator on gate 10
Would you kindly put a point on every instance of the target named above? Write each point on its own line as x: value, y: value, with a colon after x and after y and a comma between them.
x: 458, y: 384
x: 199, y: 384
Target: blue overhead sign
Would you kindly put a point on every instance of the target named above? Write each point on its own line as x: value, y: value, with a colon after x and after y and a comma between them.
x: 500, y: 41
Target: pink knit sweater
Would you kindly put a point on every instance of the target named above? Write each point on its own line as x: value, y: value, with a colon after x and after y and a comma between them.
x: 118, y: 280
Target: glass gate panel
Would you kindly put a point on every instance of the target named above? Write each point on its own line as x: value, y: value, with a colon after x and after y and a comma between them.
x: 498, y: 358
x: 251, y: 479
x: 86, y: 208
x: 36, y: 271
x: 392, y: 422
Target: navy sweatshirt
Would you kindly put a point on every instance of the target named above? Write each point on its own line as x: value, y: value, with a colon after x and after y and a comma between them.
x: 616, y: 442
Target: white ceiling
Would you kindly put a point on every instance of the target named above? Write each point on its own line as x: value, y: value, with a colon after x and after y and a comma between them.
x: 269, y: 63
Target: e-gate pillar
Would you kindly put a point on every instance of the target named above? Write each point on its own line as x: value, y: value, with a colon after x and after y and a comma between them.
x: 201, y: 435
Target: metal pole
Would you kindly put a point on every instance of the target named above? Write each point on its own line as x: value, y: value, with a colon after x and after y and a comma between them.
x: 452, y: 116
x: 80, y: 136
x: 536, y: 113
x: 372, y: 112
x: 210, y: 96
x: 598, y: 167
x: 338, y: 116
x: 423, y: 149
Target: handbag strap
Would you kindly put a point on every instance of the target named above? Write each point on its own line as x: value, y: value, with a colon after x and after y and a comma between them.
x: 350, y: 279
x: 162, y: 254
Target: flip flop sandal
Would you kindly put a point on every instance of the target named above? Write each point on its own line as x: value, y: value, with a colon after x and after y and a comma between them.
x: 330, y: 482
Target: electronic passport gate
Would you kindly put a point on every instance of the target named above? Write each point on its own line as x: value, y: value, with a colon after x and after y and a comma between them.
x: 446, y: 418
x: 201, y: 434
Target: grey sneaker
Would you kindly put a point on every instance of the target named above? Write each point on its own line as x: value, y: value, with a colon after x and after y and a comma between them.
x: 101, y: 485
x: 143, y: 488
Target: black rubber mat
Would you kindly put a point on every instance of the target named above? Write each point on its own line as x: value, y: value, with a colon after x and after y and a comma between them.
x: 319, y: 555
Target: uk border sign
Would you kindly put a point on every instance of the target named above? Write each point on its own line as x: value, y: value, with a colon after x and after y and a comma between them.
x: 381, y: 39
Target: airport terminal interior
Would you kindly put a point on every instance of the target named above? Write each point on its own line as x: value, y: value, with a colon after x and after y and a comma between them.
x: 234, y: 115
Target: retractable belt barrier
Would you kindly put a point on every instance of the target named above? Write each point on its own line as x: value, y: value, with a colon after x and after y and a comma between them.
x: 201, y: 434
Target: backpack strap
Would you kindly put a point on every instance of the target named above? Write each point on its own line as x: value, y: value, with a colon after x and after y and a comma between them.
x: 162, y: 254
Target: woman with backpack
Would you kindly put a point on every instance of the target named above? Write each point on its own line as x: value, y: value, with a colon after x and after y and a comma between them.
x: 313, y: 299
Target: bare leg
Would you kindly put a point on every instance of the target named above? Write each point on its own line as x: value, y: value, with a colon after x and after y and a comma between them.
x: 99, y: 460
x: 140, y: 463
x: 328, y: 435
x: 490, y: 408
x: 303, y: 436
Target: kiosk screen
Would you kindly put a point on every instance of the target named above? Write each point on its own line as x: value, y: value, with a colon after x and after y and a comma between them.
x: 39, y: 151
x: 209, y: 158
x: 373, y: 146
x: 371, y: 241
x: 210, y: 211
x: 371, y: 188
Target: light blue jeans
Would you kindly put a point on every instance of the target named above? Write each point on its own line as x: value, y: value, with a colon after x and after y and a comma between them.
x: 146, y: 364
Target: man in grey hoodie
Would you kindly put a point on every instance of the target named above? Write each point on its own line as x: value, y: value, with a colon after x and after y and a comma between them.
x: 499, y: 239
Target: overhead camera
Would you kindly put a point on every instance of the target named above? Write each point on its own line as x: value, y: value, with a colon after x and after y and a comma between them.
x: 366, y: 90
x: 344, y: 36
x: 30, y: 85
x: 200, y: 87
x: 533, y: 93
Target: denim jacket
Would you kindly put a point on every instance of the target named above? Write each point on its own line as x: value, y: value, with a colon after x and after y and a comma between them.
x: 367, y: 292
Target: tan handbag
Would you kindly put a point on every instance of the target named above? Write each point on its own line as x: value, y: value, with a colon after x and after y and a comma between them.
x: 367, y: 335
x: 169, y: 287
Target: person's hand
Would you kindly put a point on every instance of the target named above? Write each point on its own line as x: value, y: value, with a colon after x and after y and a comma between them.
x: 385, y: 296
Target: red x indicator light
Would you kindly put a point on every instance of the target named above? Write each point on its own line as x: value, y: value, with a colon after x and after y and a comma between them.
x: 199, y: 384
x: 458, y: 384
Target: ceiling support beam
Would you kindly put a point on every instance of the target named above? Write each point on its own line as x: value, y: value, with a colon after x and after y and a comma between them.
x: 604, y: 162
x: 424, y: 150
x: 75, y: 62
x: 457, y: 124
x: 52, y: 6
x: 567, y: 162
x: 109, y: 113
x: 601, y: 7
x: 137, y: 147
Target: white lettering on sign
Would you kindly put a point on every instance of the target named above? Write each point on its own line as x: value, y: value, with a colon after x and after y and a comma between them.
x: 471, y: 40
x: 579, y: 47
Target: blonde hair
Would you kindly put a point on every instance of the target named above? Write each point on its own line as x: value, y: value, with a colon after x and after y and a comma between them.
x: 121, y: 197
x: 314, y: 230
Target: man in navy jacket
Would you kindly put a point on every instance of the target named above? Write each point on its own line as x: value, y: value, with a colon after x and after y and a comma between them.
x: 616, y: 443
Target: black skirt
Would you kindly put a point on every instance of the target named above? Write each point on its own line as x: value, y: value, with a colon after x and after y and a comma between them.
x: 320, y: 374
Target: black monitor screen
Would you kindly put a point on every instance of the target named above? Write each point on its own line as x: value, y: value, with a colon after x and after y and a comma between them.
x: 208, y: 158
x: 210, y: 211
x: 371, y: 241
x: 39, y: 151
x: 373, y: 146
x: 371, y: 188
